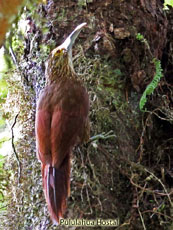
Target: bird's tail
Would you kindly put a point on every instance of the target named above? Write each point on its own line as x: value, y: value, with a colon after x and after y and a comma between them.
x: 56, y: 184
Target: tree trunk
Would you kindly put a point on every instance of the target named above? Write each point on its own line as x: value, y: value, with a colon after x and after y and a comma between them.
x: 126, y: 172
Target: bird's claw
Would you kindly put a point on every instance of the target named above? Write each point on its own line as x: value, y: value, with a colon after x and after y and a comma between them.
x: 103, y: 136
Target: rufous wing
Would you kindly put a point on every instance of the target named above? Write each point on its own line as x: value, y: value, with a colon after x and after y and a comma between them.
x: 43, y: 133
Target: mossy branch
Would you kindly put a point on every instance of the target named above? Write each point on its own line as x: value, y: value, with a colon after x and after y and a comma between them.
x: 14, y: 149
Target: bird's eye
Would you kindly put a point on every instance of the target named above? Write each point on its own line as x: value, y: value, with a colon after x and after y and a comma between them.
x: 63, y: 50
x: 58, y: 51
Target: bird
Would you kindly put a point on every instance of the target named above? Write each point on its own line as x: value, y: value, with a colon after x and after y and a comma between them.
x: 62, y: 122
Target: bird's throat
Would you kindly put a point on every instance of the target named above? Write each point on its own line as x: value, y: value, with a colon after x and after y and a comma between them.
x: 60, y: 70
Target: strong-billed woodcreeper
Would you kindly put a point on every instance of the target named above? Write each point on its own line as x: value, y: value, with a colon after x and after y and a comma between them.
x: 61, y: 123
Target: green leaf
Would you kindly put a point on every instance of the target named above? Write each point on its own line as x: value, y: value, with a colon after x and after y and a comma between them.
x: 153, y: 84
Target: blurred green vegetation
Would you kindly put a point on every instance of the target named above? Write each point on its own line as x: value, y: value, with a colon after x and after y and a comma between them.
x: 3, y: 183
x: 168, y: 2
x: 3, y: 86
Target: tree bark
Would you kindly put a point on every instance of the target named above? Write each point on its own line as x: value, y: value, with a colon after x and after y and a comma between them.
x: 125, y: 174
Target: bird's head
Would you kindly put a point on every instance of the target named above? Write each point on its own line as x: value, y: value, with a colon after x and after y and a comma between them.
x: 61, y: 57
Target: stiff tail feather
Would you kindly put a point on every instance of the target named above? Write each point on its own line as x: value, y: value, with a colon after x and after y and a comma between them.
x: 56, y: 184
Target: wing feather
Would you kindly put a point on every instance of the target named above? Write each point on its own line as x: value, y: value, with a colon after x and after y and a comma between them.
x: 65, y: 130
x: 43, y: 133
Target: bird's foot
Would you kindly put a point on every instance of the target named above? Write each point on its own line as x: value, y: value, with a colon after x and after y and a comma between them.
x: 103, y: 136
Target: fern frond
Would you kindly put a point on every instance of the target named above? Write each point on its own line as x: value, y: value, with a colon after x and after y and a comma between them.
x: 153, y: 84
